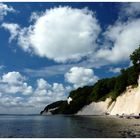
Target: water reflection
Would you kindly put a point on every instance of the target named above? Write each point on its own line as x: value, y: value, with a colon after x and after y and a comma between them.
x: 67, y: 127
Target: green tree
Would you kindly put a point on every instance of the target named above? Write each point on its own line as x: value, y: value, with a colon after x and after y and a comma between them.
x: 121, y: 83
x: 135, y: 58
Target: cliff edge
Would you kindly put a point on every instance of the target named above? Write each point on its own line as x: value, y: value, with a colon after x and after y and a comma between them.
x: 119, y: 95
x: 127, y: 103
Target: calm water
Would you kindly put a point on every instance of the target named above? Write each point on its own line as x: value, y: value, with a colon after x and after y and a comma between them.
x: 67, y: 126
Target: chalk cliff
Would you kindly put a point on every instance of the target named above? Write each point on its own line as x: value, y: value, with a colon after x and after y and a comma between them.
x: 95, y: 108
x: 128, y: 103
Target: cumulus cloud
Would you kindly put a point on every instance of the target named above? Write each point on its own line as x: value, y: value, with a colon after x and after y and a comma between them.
x: 69, y: 30
x: 46, y: 93
x: 80, y: 76
x: 9, y: 101
x: 50, y: 33
x: 5, y: 9
x: 123, y: 39
x: 16, y: 104
x: 43, y: 93
x: 14, y: 82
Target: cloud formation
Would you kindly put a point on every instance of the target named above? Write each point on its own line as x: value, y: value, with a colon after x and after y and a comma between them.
x: 122, y: 39
x: 49, y: 34
x: 46, y: 93
x: 13, y: 85
x: 14, y: 82
x: 130, y: 9
x: 60, y: 30
x: 80, y: 76
x: 12, y: 28
x: 4, y: 10
x: 9, y: 101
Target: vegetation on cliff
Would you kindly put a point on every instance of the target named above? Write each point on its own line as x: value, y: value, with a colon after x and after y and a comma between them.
x: 108, y: 87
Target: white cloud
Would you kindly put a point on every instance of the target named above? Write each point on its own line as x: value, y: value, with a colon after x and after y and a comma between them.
x: 115, y: 70
x: 34, y: 16
x: 51, y: 34
x: 14, y: 82
x: 16, y: 104
x: 123, y: 38
x: 42, y: 84
x: 9, y: 101
x: 12, y: 78
x: 130, y: 9
x: 46, y: 93
x: 13, y: 29
x: 4, y: 10
x: 43, y: 93
x: 70, y: 31
x: 80, y: 76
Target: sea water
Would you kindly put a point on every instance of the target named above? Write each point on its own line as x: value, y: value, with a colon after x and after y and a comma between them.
x: 60, y: 126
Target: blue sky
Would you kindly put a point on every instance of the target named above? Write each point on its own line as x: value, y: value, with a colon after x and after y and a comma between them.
x: 48, y: 49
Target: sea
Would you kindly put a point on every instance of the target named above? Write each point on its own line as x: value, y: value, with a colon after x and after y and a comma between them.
x: 61, y: 126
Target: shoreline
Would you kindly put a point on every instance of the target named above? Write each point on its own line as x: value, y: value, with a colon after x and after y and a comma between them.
x: 104, y: 115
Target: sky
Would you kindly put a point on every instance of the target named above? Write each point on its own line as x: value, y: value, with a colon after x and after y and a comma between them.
x: 48, y: 49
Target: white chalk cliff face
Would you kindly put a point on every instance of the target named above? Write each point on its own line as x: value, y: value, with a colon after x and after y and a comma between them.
x: 95, y: 108
x: 128, y: 103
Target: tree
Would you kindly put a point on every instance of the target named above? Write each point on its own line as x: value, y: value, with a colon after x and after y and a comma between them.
x: 135, y: 58
x: 121, y: 83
